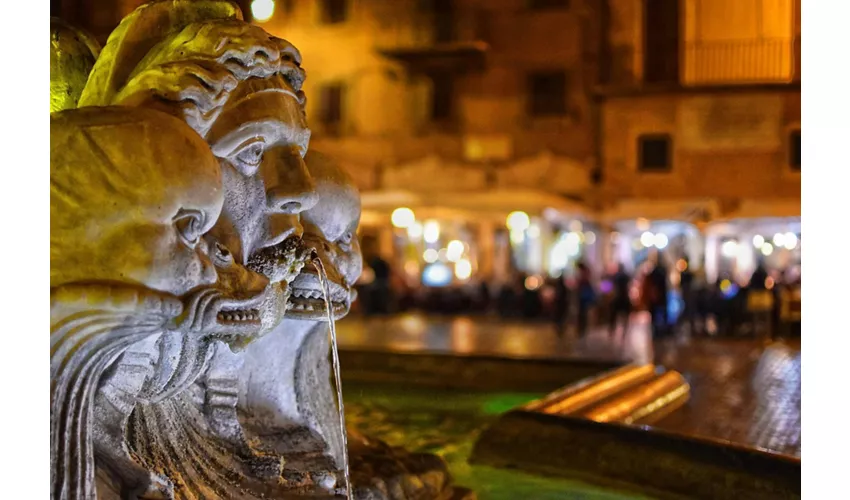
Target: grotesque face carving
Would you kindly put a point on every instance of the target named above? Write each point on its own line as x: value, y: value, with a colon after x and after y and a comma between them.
x: 331, y: 228
x: 260, y: 137
x: 132, y: 192
x: 239, y: 88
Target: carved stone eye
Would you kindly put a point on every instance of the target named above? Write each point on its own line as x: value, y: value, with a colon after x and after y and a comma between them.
x: 250, y: 157
x: 346, y: 238
x: 189, y: 225
x: 222, y: 256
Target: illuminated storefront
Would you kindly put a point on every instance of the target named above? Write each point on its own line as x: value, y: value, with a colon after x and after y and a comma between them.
x: 734, y: 248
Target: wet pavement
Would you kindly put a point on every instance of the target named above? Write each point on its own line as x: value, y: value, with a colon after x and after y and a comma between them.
x: 742, y: 390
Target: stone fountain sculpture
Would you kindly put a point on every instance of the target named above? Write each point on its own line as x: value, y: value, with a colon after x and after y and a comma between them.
x: 196, y: 407
x: 117, y: 275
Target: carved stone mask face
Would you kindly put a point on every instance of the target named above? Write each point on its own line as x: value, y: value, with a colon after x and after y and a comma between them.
x: 260, y: 139
x: 331, y: 228
x: 132, y: 192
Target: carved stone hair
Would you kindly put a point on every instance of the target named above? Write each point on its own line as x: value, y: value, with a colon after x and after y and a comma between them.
x: 197, y: 67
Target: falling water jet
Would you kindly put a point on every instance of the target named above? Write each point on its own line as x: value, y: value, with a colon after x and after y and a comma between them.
x: 323, y: 278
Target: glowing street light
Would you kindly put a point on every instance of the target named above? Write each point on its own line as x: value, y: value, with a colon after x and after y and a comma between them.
x: 660, y: 240
x: 414, y: 231
x: 262, y: 10
x: 790, y: 241
x: 729, y: 248
x: 430, y: 256
x: 454, y: 250
x: 403, y: 217
x: 758, y: 241
x: 518, y: 221
x: 431, y: 231
x: 463, y: 269
x: 647, y: 239
x: 766, y: 249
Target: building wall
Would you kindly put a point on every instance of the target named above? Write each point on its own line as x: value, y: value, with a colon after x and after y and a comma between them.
x: 385, y: 118
x: 725, y: 145
x: 721, y: 41
x: 730, y: 117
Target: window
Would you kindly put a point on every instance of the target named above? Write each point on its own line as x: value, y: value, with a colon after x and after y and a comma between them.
x: 442, y: 97
x: 334, y: 11
x: 548, y: 93
x: 661, y: 41
x: 330, y: 107
x: 795, y: 152
x: 654, y: 153
x: 548, y: 4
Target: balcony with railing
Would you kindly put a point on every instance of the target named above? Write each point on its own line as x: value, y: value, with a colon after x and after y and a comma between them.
x: 767, y: 60
x: 438, y: 40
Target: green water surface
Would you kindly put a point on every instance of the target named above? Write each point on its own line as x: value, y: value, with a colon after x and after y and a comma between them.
x: 447, y: 423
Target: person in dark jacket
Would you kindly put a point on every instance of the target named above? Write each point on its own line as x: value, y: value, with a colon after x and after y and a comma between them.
x: 658, y: 303
x: 561, y: 306
x: 586, y: 298
x: 621, y: 304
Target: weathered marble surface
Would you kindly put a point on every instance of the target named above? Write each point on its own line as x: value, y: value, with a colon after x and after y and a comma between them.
x: 116, y: 275
x: 197, y: 387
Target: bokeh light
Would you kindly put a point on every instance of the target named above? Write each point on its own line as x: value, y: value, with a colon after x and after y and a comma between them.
x: 403, y: 217
x: 414, y: 231
x: 430, y: 256
x: 729, y: 248
x: 262, y: 10
x: 463, y: 269
x: 431, y: 231
x: 518, y: 221
x: 454, y: 251
x: 647, y: 239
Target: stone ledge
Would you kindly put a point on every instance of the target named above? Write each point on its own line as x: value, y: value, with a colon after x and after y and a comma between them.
x: 637, y: 458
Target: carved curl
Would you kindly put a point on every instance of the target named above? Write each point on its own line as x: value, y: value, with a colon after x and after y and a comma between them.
x: 197, y: 65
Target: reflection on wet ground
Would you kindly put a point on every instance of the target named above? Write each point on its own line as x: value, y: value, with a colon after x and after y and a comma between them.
x: 740, y: 392
x: 447, y: 423
x: 743, y: 390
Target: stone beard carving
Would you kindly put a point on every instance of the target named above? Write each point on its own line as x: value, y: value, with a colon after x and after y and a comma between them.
x: 286, y: 400
x: 239, y: 88
x: 125, y: 242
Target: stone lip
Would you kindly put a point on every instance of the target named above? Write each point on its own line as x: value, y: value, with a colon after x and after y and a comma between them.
x: 636, y: 457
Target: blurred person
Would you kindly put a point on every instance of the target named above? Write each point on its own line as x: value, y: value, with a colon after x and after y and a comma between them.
x: 380, y: 287
x: 561, y: 306
x: 586, y: 297
x: 621, y: 304
x: 758, y: 280
x: 760, y: 301
x: 689, y: 299
x: 531, y: 305
x: 658, y: 300
x: 484, y: 296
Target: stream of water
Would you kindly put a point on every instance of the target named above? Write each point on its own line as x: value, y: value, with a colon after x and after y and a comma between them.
x: 323, y: 279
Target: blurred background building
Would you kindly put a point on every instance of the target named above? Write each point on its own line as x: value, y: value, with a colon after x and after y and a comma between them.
x: 496, y: 139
